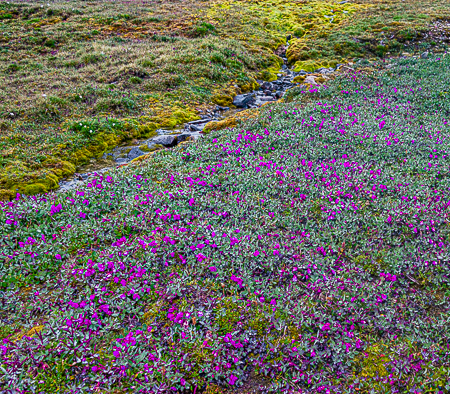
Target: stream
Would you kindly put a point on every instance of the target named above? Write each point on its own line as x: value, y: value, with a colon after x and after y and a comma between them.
x: 123, y: 154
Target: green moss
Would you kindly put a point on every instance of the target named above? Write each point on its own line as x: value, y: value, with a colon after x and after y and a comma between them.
x: 183, y: 116
x: 147, y: 130
x: 248, y: 86
x: 144, y: 148
x: 267, y: 76
x: 67, y: 168
x: 307, y: 65
x: 299, y: 79
x: 6, y: 195
x: 156, y: 147
x: 222, y: 124
x: 223, y: 100
x: 34, y: 188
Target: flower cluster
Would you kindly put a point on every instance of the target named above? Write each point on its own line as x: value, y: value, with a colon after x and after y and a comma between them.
x: 305, y: 252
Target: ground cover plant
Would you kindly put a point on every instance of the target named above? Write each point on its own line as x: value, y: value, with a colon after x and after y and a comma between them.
x: 129, y: 67
x: 305, y: 251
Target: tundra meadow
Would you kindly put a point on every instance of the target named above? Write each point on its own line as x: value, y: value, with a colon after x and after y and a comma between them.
x: 304, y: 250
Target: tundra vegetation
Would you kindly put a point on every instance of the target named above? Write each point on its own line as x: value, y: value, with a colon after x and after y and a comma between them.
x: 303, y: 250
x: 78, y: 78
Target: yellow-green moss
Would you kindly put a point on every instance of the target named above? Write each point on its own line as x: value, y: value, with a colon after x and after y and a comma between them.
x: 320, y: 79
x: 6, y: 195
x: 184, y: 116
x: 147, y: 130
x: 150, y: 151
x: 299, y: 79
x: 223, y: 100
x: 219, y: 125
x: 146, y: 149
x: 266, y: 75
x: 298, y: 50
x: 249, y: 86
x: 170, y: 119
x: 307, y: 65
x: 34, y: 188
x: 67, y: 168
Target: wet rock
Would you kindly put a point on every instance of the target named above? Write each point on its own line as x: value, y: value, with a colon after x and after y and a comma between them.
x: 197, y: 127
x: 242, y: 100
x: 266, y: 98
x: 310, y: 79
x: 220, y: 108
x: 162, y: 131
x: 183, y: 137
x: 134, y: 153
x: 325, y: 71
x: 121, y: 160
x: 166, y: 140
x: 278, y: 94
x: 206, y: 119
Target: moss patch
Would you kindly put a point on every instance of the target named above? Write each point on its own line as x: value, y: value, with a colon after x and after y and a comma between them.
x: 219, y: 125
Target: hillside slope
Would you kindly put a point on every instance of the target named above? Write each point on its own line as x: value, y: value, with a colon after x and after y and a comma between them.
x: 305, y: 250
x: 78, y: 78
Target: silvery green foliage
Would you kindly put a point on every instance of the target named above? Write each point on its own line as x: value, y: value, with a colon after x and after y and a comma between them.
x: 289, y: 249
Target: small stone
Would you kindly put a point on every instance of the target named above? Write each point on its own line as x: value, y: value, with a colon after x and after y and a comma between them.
x: 220, y: 108
x: 121, y: 160
x: 134, y: 153
x: 183, y: 137
x: 310, y: 79
x: 166, y: 140
x: 266, y: 98
x: 197, y: 127
x: 424, y: 55
x: 266, y: 86
x: 205, y: 119
x: 242, y: 100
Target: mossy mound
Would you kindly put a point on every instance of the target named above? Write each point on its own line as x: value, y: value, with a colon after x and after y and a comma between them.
x: 267, y: 76
x: 248, y: 86
x: 33, y: 189
x: 299, y: 79
x: 307, y: 65
x: 222, y: 124
x: 223, y: 100
x: 6, y: 195
x: 147, y: 130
